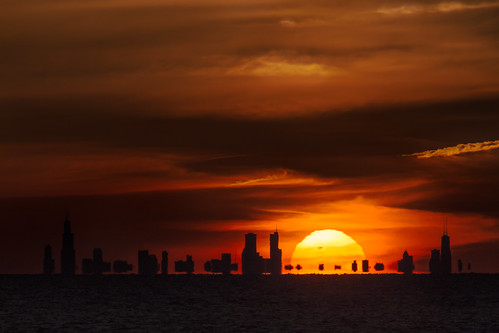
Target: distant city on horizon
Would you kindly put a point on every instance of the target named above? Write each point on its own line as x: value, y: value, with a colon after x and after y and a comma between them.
x: 252, y: 263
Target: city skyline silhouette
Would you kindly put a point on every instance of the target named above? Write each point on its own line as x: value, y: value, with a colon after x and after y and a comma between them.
x: 252, y: 263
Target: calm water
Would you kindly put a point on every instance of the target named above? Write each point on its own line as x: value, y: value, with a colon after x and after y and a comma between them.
x: 129, y: 303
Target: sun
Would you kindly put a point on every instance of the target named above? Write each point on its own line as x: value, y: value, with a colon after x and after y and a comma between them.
x: 331, y: 248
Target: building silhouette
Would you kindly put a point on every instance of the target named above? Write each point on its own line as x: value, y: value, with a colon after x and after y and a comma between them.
x: 406, y: 264
x: 148, y: 263
x: 164, y: 263
x: 275, y: 255
x: 459, y: 266
x: 224, y: 265
x: 336, y: 267
x: 251, y: 261
x: 122, y: 266
x: 288, y: 267
x: 321, y: 267
x: 445, y: 254
x: 379, y: 267
x: 365, y: 266
x: 354, y: 266
x: 48, y: 261
x: 186, y: 266
x: 97, y: 265
x: 435, y: 265
x: 68, y: 255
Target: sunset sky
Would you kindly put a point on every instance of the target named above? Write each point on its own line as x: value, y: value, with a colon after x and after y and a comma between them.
x: 182, y: 125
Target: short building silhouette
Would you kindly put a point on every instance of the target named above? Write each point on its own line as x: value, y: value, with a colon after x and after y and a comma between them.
x: 186, y: 266
x: 68, y: 254
x: 321, y: 267
x: 224, y: 265
x: 379, y: 267
x: 406, y: 264
x: 288, y: 267
x: 365, y: 266
x: 96, y: 265
x: 148, y: 263
x: 122, y: 266
x: 48, y: 261
x: 336, y: 267
x: 354, y: 266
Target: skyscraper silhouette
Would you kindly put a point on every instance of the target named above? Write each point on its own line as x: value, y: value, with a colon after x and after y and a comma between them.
x: 252, y: 262
x: 275, y: 254
x: 48, y: 261
x: 446, y: 258
x: 164, y: 263
x: 68, y: 266
x: 435, y: 264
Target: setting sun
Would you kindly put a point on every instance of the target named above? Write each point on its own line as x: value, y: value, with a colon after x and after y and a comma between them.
x: 331, y: 248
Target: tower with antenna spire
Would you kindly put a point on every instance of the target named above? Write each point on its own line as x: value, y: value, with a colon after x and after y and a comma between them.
x: 445, y: 254
x: 275, y: 254
x: 68, y: 266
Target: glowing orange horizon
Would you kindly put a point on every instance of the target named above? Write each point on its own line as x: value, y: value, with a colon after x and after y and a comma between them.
x: 331, y: 248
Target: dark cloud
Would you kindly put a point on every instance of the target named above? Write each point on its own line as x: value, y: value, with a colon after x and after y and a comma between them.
x: 366, y: 143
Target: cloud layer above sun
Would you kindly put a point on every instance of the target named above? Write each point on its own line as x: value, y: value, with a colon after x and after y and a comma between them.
x: 260, y: 58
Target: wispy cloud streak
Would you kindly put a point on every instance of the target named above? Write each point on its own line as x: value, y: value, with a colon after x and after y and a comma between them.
x: 458, y: 149
x: 443, y: 7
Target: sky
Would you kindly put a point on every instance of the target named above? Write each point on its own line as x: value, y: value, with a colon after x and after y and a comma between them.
x: 183, y: 125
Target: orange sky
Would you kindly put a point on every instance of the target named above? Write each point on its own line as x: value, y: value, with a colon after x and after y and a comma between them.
x: 182, y: 125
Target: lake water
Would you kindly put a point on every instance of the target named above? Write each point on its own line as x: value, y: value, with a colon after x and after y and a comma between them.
x: 214, y: 303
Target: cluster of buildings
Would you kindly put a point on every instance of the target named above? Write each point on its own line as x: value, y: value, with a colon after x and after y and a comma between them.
x: 378, y: 267
x: 440, y: 261
x: 254, y: 264
x: 148, y: 263
x: 251, y: 261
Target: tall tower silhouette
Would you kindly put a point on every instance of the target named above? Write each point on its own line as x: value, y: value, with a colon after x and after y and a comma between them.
x: 252, y: 262
x: 446, y: 257
x: 68, y: 266
x: 275, y: 254
x: 164, y: 263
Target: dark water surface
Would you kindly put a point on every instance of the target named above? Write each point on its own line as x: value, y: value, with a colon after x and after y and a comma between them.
x: 314, y: 303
